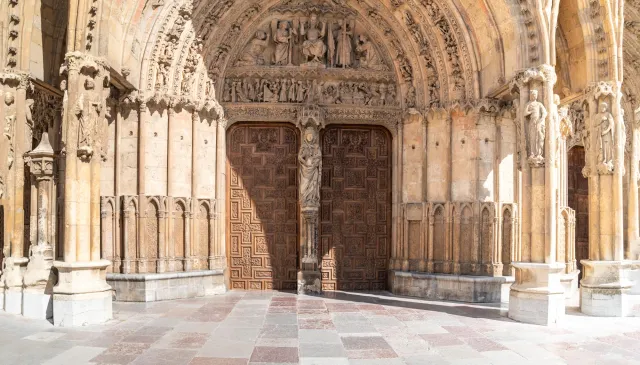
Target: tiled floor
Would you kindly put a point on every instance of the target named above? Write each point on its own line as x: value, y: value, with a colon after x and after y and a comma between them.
x: 281, y: 328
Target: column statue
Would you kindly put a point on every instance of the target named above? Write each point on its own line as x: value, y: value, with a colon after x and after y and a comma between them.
x: 310, y: 158
x: 535, y: 113
x: 345, y: 48
x: 605, y: 125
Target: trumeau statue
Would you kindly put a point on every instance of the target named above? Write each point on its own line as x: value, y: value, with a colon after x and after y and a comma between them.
x: 310, y: 158
x: 314, y: 48
x: 605, y: 127
x: 535, y: 113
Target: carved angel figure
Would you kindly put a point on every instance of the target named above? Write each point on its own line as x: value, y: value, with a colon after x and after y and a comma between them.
x: 313, y: 48
x: 310, y: 159
x: 604, y: 121
x: 254, y: 54
x: 536, y: 115
x: 369, y: 58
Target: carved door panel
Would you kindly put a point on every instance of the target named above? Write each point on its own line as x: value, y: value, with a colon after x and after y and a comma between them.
x: 579, y: 201
x: 263, y: 206
x: 355, y: 216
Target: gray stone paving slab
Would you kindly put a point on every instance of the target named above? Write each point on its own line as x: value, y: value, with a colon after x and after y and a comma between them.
x: 285, y: 329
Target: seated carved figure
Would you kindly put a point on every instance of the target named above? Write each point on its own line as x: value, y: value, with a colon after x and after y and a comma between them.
x: 313, y: 48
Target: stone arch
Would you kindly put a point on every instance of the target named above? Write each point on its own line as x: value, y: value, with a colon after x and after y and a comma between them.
x: 150, y: 248
x: 468, y: 249
x: 506, y: 250
x: 110, y: 249
x: 487, y: 239
x: 204, y: 21
x: 178, y: 244
x: 439, y: 240
x: 201, y: 249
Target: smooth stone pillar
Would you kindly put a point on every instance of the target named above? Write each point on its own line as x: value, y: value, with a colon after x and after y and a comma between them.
x: 537, y: 296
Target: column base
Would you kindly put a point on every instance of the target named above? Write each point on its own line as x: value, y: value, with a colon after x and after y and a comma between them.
x: 605, y: 289
x: 13, y: 300
x: 37, y: 304
x: 13, y: 276
x: 82, y: 295
x: 537, y: 296
x: 570, y: 283
x: 309, y: 282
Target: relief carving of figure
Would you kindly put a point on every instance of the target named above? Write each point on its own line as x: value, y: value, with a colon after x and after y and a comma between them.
x: 88, y: 113
x: 369, y: 58
x: 606, y: 128
x: 345, y: 48
x: 310, y: 159
x: 536, y: 114
x: 254, y: 55
x: 313, y: 48
x: 282, y: 38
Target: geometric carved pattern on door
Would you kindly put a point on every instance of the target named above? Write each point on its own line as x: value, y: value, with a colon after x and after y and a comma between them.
x: 355, y: 213
x: 262, y: 206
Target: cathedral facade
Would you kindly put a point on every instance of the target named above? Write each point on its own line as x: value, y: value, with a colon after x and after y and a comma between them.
x: 476, y: 151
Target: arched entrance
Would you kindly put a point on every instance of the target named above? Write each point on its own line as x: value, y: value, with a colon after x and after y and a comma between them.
x: 262, y: 206
x: 578, y: 199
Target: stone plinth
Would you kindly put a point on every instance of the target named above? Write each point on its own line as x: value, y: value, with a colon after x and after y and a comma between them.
x: 570, y: 284
x: 309, y: 282
x: 12, y: 276
x: 460, y: 288
x: 82, y: 295
x: 537, y: 295
x: 166, y: 286
x: 606, y: 289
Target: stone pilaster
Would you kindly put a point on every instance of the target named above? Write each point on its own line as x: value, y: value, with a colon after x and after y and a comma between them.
x: 605, y: 285
x: 82, y: 295
x: 16, y: 142
x: 537, y: 296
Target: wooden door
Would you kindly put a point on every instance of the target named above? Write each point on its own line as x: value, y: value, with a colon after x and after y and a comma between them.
x: 262, y: 206
x: 355, y: 227
x: 579, y: 201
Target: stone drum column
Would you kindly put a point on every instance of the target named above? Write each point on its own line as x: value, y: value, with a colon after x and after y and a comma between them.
x: 39, y: 278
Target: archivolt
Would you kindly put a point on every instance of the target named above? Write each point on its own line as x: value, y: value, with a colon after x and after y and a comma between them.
x: 424, y: 34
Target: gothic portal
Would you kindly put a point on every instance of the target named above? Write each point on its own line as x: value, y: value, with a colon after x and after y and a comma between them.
x: 165, y: 149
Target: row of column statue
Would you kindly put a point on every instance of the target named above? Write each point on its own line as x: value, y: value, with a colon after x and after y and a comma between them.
x: 536, y: 114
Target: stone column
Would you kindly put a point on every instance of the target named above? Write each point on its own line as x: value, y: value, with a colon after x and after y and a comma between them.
x: 38, y: 277
x: 605, y: 285
x: 632, y: 249
x: 17, y: 138
x: 221, y: 191
x: 537, y: 295
x: 310, y: 122
x: 82, y: 295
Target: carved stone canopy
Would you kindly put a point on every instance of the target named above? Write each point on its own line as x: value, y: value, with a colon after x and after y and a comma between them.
x: 311, y: 115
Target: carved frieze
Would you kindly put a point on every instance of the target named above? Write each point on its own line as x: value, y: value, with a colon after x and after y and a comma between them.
x: 285, y: 90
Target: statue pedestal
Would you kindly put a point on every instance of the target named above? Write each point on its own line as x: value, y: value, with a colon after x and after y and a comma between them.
x: 82, y: 295
x: 605, y: 289
x: 309, y: 282
x: 537, y: 296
